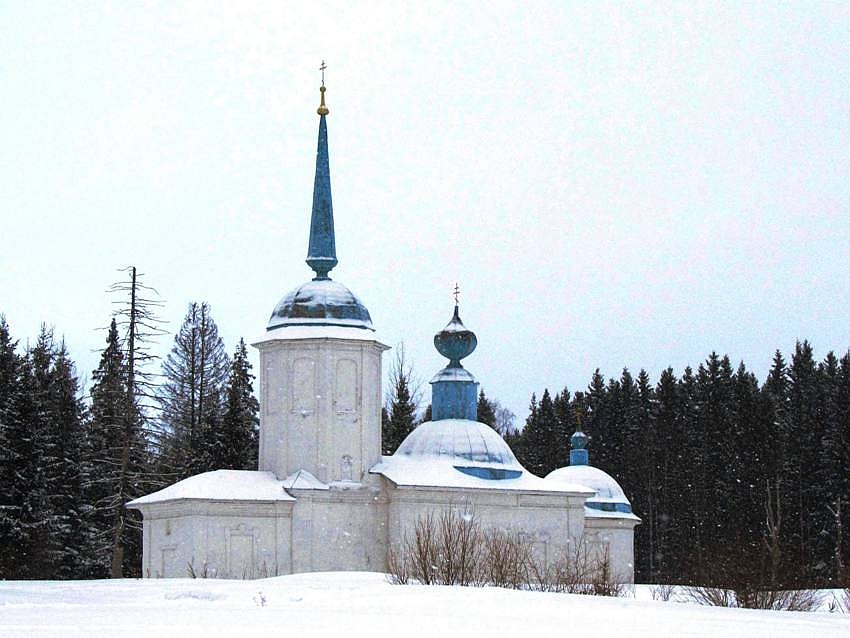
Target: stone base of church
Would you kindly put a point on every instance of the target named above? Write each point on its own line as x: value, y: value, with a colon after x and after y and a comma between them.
x: 350, y: 526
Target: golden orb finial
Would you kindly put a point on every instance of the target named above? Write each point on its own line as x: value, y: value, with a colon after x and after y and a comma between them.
x: 322, y: 110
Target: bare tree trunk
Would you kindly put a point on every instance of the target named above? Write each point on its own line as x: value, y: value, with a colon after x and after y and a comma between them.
x: 117, y: 564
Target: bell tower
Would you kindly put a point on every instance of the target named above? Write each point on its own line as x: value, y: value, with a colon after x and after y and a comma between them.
x: 320, y: 362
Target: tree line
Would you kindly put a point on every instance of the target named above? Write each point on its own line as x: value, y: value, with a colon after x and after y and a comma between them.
x: 735, y: 481
x: 68, y: 466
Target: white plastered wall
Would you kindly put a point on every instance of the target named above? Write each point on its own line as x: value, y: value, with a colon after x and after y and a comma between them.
x: 548, y: 520
x: 320, y: 407
x: 219, y: 539
x: 341, y: 529
x: 616, y: 537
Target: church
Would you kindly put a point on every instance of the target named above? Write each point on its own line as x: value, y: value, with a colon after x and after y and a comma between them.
x: 324, y: 498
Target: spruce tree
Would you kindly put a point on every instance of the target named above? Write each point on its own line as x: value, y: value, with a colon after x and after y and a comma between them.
x: 401, y: 416
x: 805, y: 516
x: 15, y: 455
x: 563, y: 427
x: 669, y: 533
x: 192, y: 395
x: 539, y: 436
x: 236, y: 441
x: 401, y: 405
x: 117, y: 465
x: 485, y: 412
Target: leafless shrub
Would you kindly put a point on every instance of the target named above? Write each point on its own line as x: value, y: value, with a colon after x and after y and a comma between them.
x: 662, y: 592
x: 775, y: 599
x: 398, y: 567
x: 602, y: 578
x: 506, y: 559
x: 451, y: 549
x: 459, y: 549
x: 787, y: 599
x: 840, y: 602
x: 190, y: 570
x: 713, y: 596
x: 423, y: 550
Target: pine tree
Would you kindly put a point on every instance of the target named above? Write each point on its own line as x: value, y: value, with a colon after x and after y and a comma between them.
x: 564, y: 426
x: 15, y: 455
x: 236, y: 440
x: 670, y: 536
x: 485, y: 413
x: 45, y: 492
x: 62, y: 463
x: 641, y: 447
x: 805, y: 517
x: 402, y: 404
x: 117, y: 465
x: 401, y: 416
x: 829, y: 482
x: 539, y: 438
x: 192, y: 395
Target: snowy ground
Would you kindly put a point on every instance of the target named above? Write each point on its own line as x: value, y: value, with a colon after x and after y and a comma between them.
x: 364, y: 604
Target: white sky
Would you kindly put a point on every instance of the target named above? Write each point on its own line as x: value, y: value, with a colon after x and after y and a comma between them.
x: 611, y: 184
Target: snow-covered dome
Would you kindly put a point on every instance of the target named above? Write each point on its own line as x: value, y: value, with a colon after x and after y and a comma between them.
x: 463, y: 453
x: 320, y: 302
x: 461, y: 441
x: 609, y: 495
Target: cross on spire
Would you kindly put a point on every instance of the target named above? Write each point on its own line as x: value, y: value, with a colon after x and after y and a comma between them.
x: 456, y: 292
x: 322, y: 69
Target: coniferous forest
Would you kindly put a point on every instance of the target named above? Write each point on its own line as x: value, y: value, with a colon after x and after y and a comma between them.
x: 68, y: 466
x: 734, y: 480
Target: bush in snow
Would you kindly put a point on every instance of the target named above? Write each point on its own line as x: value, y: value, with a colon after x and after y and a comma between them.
x: 452, y: 549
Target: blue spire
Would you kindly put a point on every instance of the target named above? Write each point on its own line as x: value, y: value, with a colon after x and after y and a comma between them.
x: 321, y: 252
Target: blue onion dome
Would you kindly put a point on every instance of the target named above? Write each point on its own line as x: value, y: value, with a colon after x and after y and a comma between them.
x: 455, y: 342
x: 320, y: 302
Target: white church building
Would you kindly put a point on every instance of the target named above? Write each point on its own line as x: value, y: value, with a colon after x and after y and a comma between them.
x: 324, y: 498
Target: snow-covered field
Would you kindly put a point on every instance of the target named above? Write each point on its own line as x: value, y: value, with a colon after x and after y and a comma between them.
x: 364, y: 604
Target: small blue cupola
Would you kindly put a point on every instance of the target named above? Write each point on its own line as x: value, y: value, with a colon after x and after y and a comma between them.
x: 454, y: 391
x: 578, y: 451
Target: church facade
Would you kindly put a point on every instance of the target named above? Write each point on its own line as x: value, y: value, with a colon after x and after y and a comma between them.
x: 323, y: 498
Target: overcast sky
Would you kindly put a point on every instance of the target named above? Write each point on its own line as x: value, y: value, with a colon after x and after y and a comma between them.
x: 611, y: 185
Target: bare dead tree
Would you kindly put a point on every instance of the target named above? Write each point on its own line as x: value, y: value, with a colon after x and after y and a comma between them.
x: 136, y: 314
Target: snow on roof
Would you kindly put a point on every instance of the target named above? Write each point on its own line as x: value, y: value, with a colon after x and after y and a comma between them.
x: 442, y: 471
x: 460, y: 439
x: 606, y: 488
x: 608, y: 493
x: 221, y: 485
x: 303, y: 480
x: 317, y: 332
x: 465, y: 454
x: 591, y: 512
x: 320, y: 302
